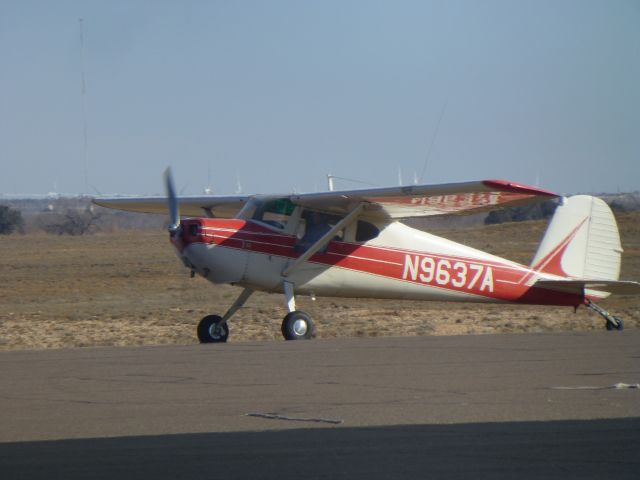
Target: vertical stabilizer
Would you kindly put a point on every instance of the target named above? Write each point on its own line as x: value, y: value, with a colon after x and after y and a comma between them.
x: 581, y: 242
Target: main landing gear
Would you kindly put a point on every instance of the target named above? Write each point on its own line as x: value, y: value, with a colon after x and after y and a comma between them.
x: 612, y: 323
x: 297, y: 325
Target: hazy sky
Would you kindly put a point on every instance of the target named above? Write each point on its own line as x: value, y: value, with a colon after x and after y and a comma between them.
x: 280, y: 93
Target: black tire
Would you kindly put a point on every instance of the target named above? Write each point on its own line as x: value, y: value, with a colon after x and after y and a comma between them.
x: 212, y: 329
x: 610, y: 326
x: 297, y: 326
x: 620, y: 323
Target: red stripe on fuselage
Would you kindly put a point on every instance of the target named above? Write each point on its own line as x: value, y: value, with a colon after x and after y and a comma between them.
x: 473, y: 276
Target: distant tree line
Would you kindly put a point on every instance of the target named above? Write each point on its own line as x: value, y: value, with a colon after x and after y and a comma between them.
x: 625, y: 202
x: 71, y: 216
x: 537, y: 211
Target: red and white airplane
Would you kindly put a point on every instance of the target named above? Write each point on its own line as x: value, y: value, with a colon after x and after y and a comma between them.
x: 352, y: 244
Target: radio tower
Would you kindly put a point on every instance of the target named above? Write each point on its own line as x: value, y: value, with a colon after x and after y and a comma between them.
x: 84, y: 112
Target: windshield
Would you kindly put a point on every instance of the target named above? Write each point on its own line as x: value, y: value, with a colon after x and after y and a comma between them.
x: 275, y: 213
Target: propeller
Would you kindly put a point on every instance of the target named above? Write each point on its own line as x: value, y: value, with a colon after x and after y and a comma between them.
x: 172, y: 201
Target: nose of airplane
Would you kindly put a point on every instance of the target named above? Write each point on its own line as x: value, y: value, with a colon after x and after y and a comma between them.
x: 192, y: 231
x: 189, y: 231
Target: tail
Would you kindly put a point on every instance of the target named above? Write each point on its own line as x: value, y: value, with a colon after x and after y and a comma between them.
x: 581, y: 242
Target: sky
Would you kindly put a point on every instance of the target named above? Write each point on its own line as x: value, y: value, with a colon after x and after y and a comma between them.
x: 274, y: 95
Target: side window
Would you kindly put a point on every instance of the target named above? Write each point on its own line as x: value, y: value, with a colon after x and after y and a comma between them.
x: 313, y: 225
x: 366, y: 231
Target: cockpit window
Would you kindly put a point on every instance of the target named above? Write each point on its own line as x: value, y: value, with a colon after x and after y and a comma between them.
x: 274, y: 212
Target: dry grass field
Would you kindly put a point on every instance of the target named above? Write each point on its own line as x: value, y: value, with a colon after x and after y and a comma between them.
x: 130, y: 289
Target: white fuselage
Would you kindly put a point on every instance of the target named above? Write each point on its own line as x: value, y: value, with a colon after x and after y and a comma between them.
x: 401, y: 262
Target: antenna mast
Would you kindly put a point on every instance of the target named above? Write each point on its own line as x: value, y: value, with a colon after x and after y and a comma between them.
x: 433, y: 140
x: 84, y: 110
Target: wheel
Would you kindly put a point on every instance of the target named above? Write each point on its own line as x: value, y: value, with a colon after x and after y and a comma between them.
x: 620, y: 323
x: 212, y: 329
x: 297, y: 326
x: 610, y: 326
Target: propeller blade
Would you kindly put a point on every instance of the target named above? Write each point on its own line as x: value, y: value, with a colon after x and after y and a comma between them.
x: 172, y: 200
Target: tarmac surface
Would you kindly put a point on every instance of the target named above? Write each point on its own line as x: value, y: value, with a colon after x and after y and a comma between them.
x: 488, y: 406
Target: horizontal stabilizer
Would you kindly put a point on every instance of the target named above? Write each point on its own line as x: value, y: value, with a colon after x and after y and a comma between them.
x: 579, y: 286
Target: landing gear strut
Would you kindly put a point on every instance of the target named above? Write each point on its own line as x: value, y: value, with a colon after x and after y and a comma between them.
x: 612, y: 323
x: 214, y: 328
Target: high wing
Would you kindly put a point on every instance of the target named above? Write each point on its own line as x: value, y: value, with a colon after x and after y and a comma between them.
x: 211, y: 206
x: 426, y: 200
x: 381, y: 204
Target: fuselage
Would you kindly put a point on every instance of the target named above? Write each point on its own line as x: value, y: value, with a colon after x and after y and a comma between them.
x: 399, y: 263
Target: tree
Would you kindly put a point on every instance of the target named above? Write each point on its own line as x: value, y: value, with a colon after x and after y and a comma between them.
x: 10, y: 220
x: 72, y: 222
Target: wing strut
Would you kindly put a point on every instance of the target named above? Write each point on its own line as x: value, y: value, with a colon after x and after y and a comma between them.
x: 326, y: 238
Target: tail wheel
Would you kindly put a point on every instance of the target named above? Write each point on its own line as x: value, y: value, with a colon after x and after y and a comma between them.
x: 212, y: 329
x: 610, y: 326
x: 297, y: 326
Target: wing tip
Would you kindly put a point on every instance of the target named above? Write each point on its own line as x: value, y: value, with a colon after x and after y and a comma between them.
x: 507, y: 186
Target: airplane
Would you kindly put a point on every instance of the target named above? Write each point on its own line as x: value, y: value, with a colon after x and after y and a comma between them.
x: 352, y: 243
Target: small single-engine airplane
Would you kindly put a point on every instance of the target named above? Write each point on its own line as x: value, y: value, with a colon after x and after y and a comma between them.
x: 352, y: 244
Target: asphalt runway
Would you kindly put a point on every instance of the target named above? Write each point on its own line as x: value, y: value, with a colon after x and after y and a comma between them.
x: 489, y: 406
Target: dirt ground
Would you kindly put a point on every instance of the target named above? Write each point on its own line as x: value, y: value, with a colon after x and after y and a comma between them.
x: 129, y: 288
